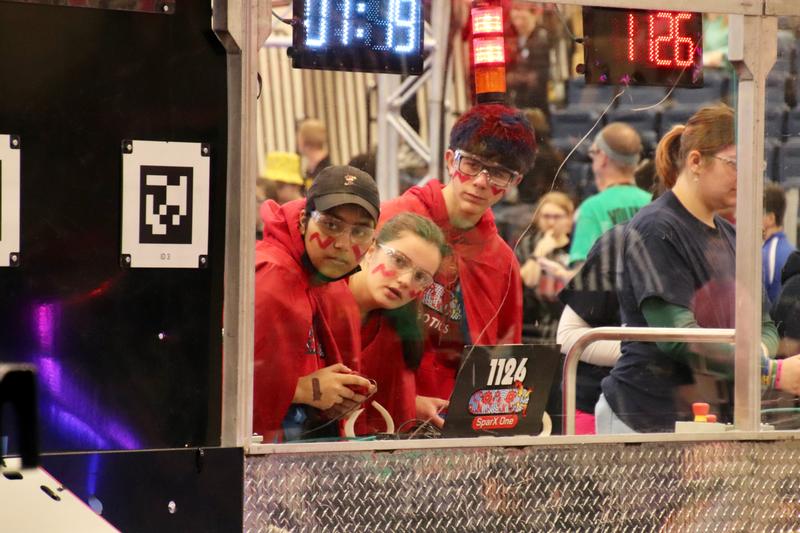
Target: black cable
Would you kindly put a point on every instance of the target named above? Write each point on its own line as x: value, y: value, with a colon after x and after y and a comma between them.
x: 572, y: 36
x: 290, y: 22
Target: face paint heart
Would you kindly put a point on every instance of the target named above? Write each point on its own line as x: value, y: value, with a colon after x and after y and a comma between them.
x: 322, y: 243
x: 415, y: 294
x: 383, y: 270
x: 463, y: 178
x: 497, y: 190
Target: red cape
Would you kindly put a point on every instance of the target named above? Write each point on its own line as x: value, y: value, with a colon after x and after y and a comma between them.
x: 286, y: 307
x: 382, y: 360
x: 489, y: 276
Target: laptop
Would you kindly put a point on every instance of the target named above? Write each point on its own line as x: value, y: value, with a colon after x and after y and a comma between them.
x: 501, y: 390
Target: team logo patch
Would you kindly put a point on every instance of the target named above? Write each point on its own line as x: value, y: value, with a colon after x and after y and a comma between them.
x: 313, y: 347
x: 349, y: 180
x: 500, y: 401
x: 441, y: 300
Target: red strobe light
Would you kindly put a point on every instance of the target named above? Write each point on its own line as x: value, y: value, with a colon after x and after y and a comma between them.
x: 487, y: 20
x: 488, y: 52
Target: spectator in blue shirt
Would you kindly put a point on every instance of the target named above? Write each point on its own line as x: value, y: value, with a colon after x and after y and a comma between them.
x: 776, y: 248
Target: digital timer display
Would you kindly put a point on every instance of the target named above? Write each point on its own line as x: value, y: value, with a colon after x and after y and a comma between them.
x: 358, y: 35
x: 640, y: 47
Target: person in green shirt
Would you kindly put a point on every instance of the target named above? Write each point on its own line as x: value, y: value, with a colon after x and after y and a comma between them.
x: 615, y: 153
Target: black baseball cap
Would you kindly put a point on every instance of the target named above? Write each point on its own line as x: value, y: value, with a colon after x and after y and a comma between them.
x: 341, y: 185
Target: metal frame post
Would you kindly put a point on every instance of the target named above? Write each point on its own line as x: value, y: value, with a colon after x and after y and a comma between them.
x: 241, y: 25
x: 387, y: 173
x: 752, y: 49
x: 440, y: 21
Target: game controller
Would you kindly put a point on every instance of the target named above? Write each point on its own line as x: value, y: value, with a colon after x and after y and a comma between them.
x: 360, y: 389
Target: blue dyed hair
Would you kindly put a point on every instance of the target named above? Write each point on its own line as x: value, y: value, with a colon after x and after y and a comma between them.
x: 497, y: 133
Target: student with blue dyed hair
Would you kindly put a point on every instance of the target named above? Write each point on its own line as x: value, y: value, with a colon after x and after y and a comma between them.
x: 476, y: 297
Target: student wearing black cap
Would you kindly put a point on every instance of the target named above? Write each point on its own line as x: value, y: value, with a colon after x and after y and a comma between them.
x: 305, y: 359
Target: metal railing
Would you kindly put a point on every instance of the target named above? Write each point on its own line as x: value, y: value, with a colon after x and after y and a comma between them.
x: 627, y: 334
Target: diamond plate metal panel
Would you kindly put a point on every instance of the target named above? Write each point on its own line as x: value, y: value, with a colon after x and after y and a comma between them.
x: 730, y: 486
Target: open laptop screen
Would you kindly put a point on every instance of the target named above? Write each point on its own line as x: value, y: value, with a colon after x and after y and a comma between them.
x: 501, y: 390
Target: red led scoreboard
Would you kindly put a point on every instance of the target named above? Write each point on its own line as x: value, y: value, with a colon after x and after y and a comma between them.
x: 640, y: 47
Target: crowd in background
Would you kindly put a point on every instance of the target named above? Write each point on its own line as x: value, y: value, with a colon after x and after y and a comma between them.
x: 580, y: 261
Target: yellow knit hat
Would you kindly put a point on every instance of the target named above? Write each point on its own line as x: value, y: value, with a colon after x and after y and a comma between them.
x: 283, y: 167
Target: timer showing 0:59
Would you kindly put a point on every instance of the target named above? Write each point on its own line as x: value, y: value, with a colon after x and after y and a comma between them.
x: 391, y: 26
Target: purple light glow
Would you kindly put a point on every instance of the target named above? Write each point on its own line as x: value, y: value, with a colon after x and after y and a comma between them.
x: 45, y: 326
x: 50, y: 374
x: 101, y: 431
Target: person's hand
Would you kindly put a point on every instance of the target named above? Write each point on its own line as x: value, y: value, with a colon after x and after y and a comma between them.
x: 548, y: 243
x: 349, y: 405
x: 330, y: 386
x: 428, y: 408
x: 790, y: 375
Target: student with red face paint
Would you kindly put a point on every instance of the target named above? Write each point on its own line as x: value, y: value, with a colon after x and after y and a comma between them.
x: 394, y: 273
x: 477, y: 295
x: 305, y: 358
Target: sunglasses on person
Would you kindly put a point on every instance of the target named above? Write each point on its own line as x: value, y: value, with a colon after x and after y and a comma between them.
x: 401, y: 263
x: 497, y: 175
x: 334, y: 227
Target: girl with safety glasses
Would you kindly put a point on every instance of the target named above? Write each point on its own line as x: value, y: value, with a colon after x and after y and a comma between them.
x: 394, y: 273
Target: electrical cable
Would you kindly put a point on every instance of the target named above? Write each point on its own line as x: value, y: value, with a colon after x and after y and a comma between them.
x: 560, y: 15
x: 290, y: 22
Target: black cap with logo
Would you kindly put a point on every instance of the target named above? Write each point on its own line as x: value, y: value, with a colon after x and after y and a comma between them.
x: 341, y: 185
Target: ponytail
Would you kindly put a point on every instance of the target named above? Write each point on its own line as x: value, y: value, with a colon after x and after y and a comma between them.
x: 667, y: 157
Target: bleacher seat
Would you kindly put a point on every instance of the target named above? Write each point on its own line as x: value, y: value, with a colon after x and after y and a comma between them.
x: 566, y: 144
x: 676, y: 114
x: 649, y: 142
x: 572, y: 122
x: 775, y: 120
x: 641, y: 121
x: 579, y: 94
x: 715, y: 86
x: 771, y: 147
x: 786, y: 48
x: 782, y: 64
x: 789, y: 160
x: 776, y: 87
x: 776, y: 95
x: 792, y: 129
x: 581, y: 179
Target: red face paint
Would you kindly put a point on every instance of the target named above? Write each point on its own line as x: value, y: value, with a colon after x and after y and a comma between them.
x: 497, y: 190
x: 357, y: 251
x: 383, y: 270
x: 415, y: 294
x: 463, y: 178
x: 322, y: 243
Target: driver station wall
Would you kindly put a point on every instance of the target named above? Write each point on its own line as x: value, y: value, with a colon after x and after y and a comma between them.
x: 130, y: 358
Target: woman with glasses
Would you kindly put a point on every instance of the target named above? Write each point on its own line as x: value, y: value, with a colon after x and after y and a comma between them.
x: 305, y: 358
x: 678, y: 270
x: 396, y: 270
x: 548, y: 244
